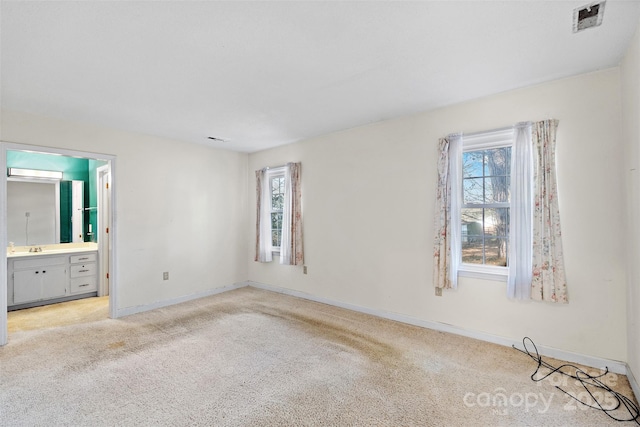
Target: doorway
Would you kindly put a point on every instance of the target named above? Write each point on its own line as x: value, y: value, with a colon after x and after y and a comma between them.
x: 101, y: 222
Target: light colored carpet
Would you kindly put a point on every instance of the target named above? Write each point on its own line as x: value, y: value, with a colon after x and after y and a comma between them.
x: 60, y: 314
x: 255, y: 358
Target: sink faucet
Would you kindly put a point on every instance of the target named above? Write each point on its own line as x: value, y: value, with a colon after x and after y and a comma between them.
x: 35, y: 249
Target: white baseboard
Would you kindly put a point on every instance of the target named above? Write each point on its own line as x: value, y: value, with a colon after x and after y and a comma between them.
x: 159, y: 304
x: 614, y: 366
x: 633, y: 383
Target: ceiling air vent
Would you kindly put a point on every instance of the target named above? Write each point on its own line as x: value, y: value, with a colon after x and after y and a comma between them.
x: 588, y: 16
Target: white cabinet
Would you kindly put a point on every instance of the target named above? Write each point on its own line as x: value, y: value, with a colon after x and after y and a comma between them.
x: 39, y: 284
x: 34, y: 280
x: 83, y: 274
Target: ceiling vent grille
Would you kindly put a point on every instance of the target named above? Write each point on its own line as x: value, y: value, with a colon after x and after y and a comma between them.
x: 588, y: 16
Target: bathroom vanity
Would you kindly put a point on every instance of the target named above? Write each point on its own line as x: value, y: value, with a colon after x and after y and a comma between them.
x: 51, y: 274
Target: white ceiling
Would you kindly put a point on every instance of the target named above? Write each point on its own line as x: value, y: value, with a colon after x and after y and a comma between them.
x: 261, y: 74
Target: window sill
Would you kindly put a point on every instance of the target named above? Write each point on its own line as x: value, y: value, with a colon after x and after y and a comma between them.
x: 485, y: 272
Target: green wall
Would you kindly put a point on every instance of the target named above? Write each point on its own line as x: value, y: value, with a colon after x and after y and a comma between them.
x: 73, y: 169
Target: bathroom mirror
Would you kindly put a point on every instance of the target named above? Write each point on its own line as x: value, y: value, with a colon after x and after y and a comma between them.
x: 41, y: 212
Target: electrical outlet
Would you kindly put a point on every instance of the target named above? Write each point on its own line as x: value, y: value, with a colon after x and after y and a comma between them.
x: 438, y: 292
x: 165, y: 275
x: 304, y: 269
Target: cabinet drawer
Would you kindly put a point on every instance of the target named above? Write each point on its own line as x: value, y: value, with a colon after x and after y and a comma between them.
x: 38, y: 262
x: 83, y: 284
x: 74, y: 259
x: 82, y: 270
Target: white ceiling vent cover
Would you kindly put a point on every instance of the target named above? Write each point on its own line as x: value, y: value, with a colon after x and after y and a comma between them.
x: 588, y: 16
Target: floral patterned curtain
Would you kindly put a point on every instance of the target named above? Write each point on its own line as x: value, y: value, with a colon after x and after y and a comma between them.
x: 291, y: 252
x: 446, y: 251
x: 549, y: 281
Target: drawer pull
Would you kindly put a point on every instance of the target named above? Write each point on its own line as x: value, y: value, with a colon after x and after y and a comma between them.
x: 82, y: 271
x: 83, y: 258
x: 83, y: 285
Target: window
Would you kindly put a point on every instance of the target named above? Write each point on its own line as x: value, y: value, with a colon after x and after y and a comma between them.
x: 279, y: 214
x: 276, y: 190
x: 486, y: 196
x: 485, y: 206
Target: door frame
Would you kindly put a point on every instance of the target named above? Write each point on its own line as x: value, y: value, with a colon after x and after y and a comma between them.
x: 103, y: 175
x: 111, y: 163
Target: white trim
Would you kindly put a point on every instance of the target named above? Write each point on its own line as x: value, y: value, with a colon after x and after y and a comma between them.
x: 127, y: 311
x: 113, y: 258
x: 4, y: 332
x: 484, y: 271
x: 614, y: 366
x: 111, y: 161
x: 491, y: 139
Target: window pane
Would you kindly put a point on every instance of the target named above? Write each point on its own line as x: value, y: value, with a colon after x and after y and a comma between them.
x: 496, y: 251
x: 275, y: 238
x: 277, y: 193
x: 472, y: 251
x: 276, y: 220
x: 473, y: 191
x: 277, y: 202
x: 472, y: 222
x: 472, y: 162
x: 497, y: 162
x: 276, y: 228
x: 496, y: 222
x: 497, y: 189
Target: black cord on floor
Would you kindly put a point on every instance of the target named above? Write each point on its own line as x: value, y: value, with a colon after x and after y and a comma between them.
x: 586, y: 380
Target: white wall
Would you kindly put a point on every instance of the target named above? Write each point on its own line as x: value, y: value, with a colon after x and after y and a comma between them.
x: 181, y: 207
x: 630, y: 76
x: 368, y: 217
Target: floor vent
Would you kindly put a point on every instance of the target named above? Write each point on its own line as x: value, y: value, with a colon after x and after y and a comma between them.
x: 588, y: 16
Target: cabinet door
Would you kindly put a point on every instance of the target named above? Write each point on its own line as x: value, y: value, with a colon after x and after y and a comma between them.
x: 54, y: 282
x: 27, y: 286
x: 38, y: 284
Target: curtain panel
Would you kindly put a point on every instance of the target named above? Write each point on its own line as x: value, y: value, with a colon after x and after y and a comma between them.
x: 291, y: 252
x: 263, y: 219
x: 447, y: 241
x: 520, y: 226
x: 549, y: 282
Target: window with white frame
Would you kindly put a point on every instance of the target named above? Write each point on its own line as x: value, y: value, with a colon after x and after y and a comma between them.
x: 486, y: 196
x: 276, y: 190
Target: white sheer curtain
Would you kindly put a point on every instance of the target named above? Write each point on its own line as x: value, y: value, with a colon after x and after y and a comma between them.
x: 263, y: 217
x: 455, y: 166
x: 520, y: 228
x: 291, y: 245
